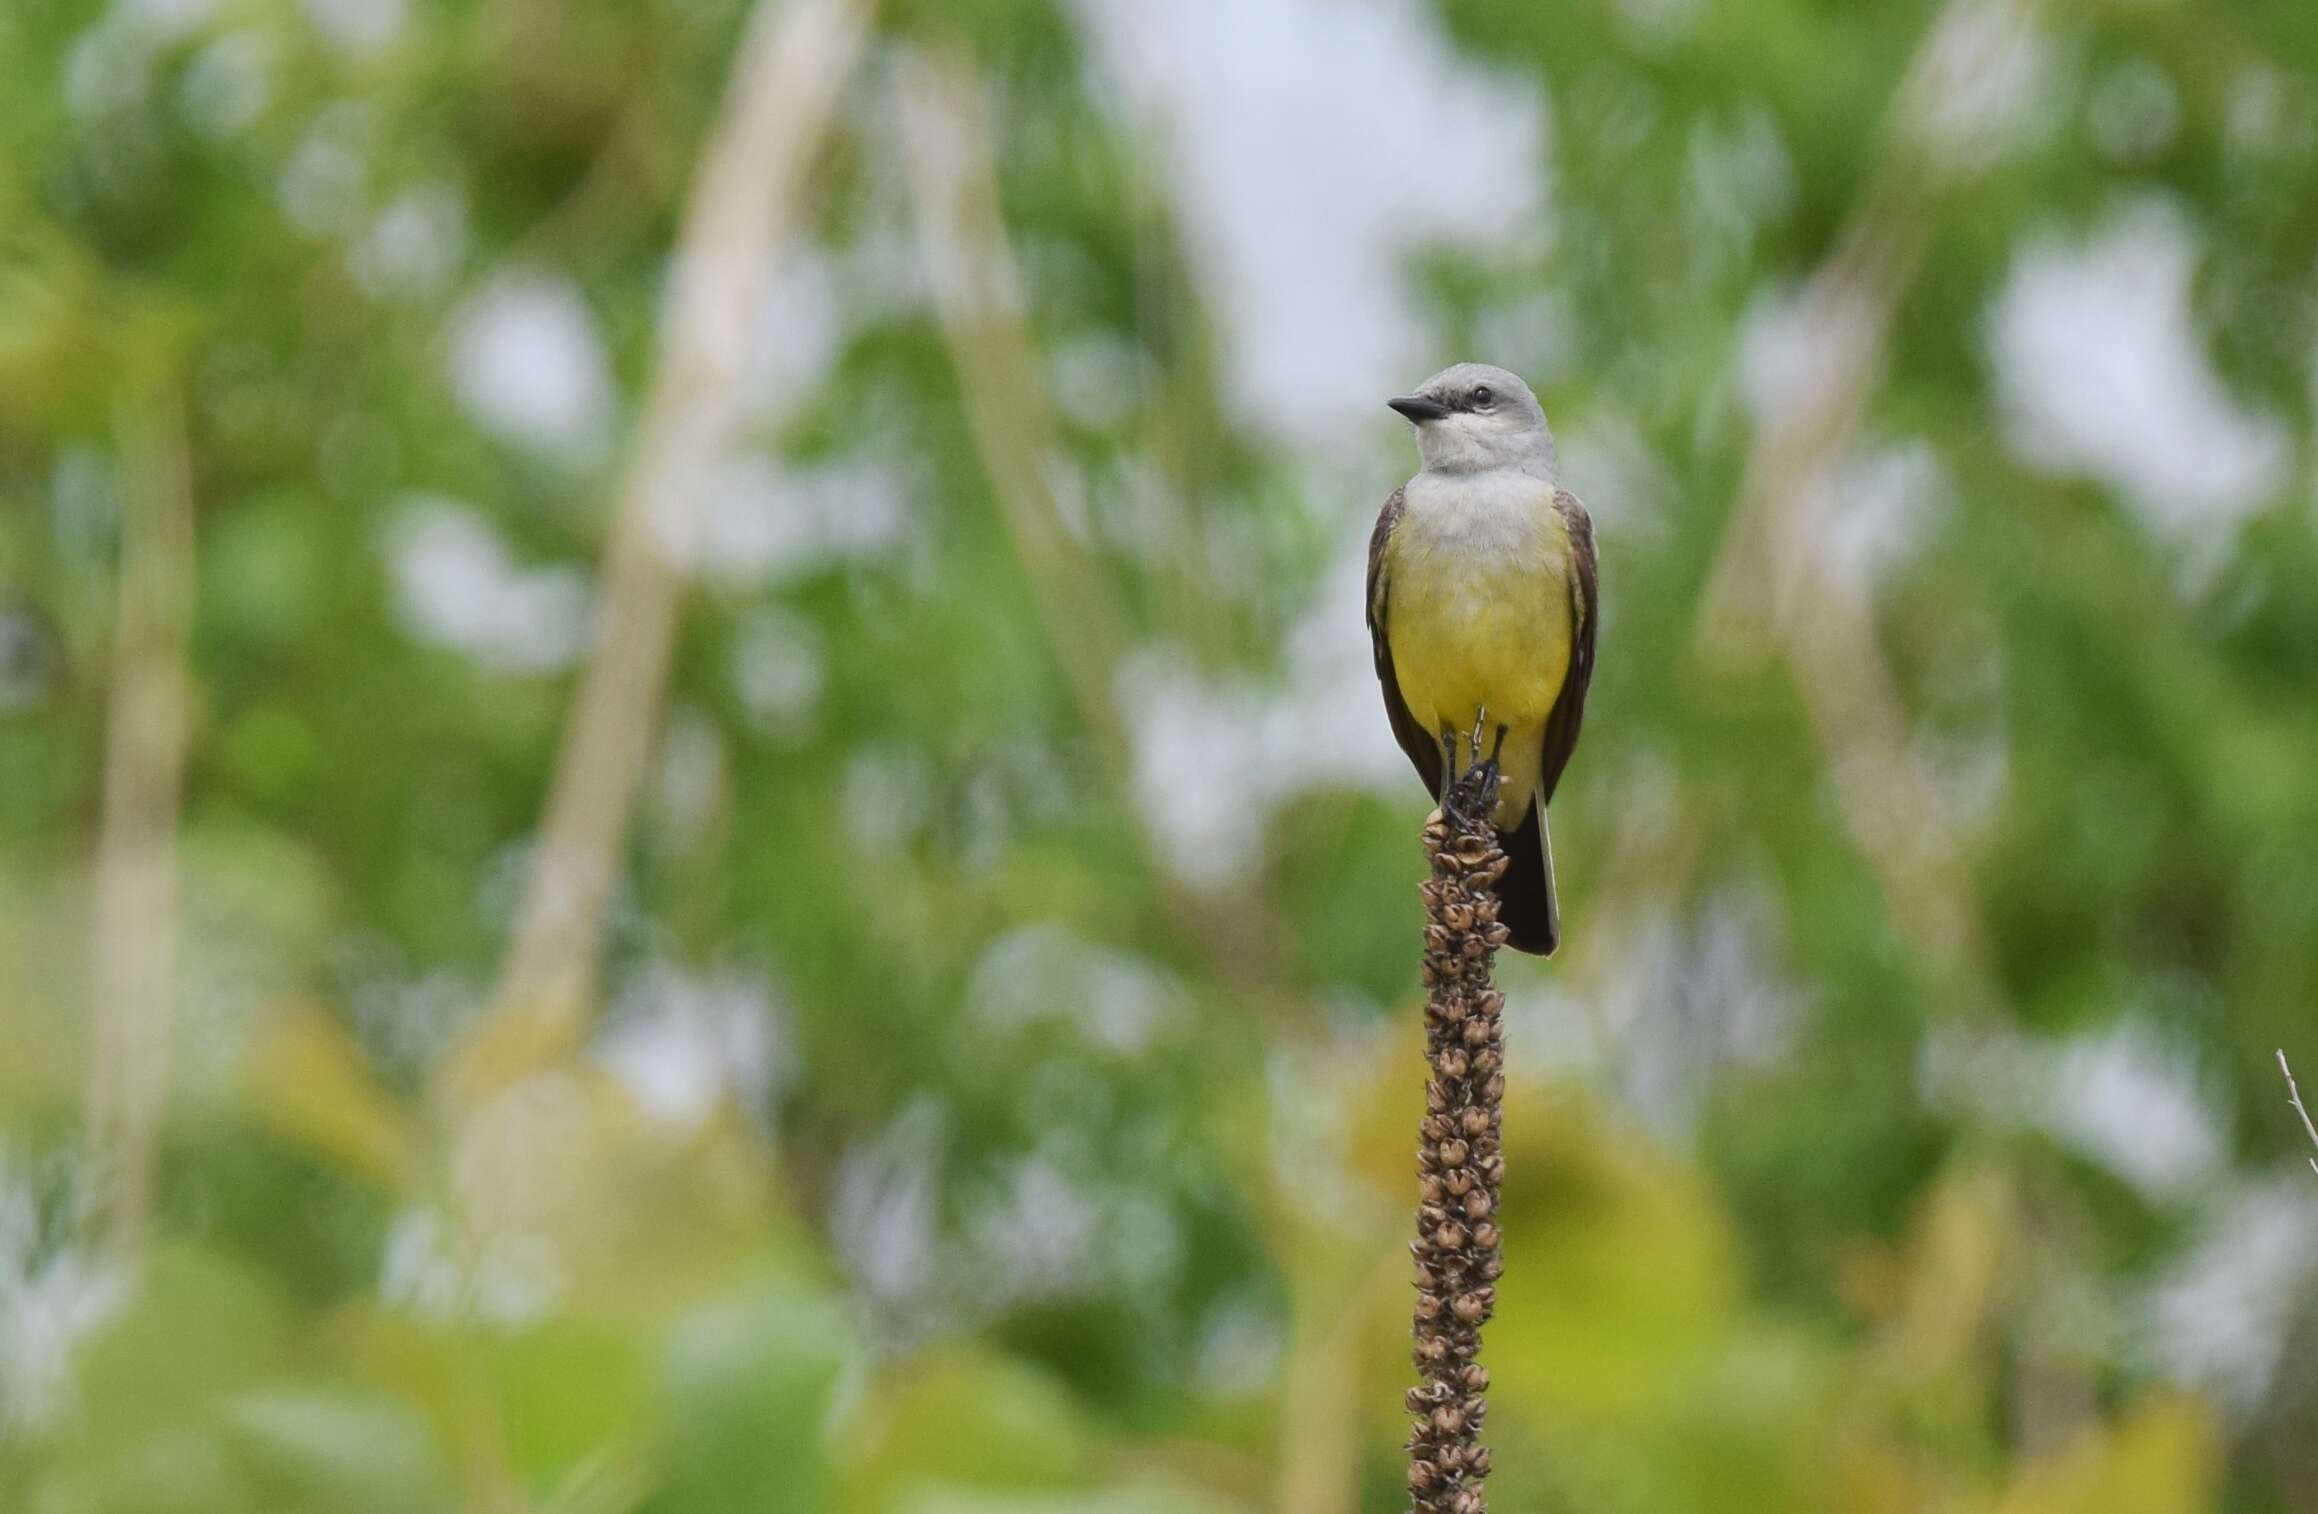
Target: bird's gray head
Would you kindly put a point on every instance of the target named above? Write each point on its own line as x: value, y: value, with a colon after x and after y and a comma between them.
x: 1475, y: 416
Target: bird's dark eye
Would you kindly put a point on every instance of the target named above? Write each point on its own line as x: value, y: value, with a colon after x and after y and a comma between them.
x: 1484, y: 396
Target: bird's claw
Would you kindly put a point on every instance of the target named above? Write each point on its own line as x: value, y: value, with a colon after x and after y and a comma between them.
x: 1472, y: 798
x: 1471, y: 795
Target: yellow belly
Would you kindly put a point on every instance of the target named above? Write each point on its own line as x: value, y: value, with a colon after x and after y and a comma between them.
x: 1483, y: 634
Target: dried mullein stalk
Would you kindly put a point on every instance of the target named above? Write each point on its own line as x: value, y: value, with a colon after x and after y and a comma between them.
x: 1458, y: 1163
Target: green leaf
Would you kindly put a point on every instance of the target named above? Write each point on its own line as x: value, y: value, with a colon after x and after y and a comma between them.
x: 747, y: 1389
x: 316, y: 1451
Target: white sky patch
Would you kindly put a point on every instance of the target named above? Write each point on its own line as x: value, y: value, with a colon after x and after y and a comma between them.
x: 1971, y: 771
x: 1634, y: 486
x: 164, y: 18
x: 1136, y: 511
x: 1875, y: 511
x: 1536, y: 333
x: 880, y: 275
x: 415, y: 245
x: 358, y: 28
x: 2271, y: 111
x: 1046, y: 1225
x: 1313, y: 145
x: 1240, y: 1345
x: 1041, y: 1224
x: 455, y: 586
x: 409, y: 1019
x: 1998, y: 86
x: 1696, y: 992
x: 1659, y: 25
x: 685, y: 1043
x: 1215, y: 758
x: 84, y: 507
x: 1037, y: 1232
x: 883, y: 1218
x: 2101, y: 370
x: 229, y: 83
x: 108, y: 70
x: 1187, y: 733
x: 799, y: 328
x: 888, y: 793
x: 2120, y: 1094
x: 1044, y: 972
x: 323, y: 184
x: 1797, y: 343
x: 432, y: 1271
x: 2220, y: 1319
x: 112, y: 64
x: 25, y: 660
x: 1097, y: 378
x: 763, y: 522
x: 528, y: 364
x: 1066, y: 485
x: 691, y: 777
x: 1739, y: 178
x: 53, y: 1292
x: 1316, y: 1097
x: 779, y: 668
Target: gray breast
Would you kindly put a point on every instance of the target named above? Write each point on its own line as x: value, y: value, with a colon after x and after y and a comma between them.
x: 1494, y: 514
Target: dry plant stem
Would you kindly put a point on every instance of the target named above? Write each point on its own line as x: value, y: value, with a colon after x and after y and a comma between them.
x: 133, y: 939
x: 2294, y: 1097
x: 1459, y: 1165
x: 778, y: 106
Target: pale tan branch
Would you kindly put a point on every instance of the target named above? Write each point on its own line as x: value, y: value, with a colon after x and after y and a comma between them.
x: 1320, y: 1418
x: 952, y: 170
x: 133, y: 936
x: 950, y: 162
x: 783, y: 93
x: 1770, y: 587
x: 2294, y: 1097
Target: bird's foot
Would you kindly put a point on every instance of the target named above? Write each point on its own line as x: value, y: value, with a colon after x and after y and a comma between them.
x: 1470, y: 797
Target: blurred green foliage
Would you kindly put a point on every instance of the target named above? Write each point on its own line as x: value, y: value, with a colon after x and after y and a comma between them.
x: 1019, y: 1183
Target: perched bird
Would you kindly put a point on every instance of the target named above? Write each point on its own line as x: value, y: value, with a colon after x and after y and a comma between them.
x: 1481, y: 612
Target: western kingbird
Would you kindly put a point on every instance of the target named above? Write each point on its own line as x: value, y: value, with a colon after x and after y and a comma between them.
x: 1481, y: 612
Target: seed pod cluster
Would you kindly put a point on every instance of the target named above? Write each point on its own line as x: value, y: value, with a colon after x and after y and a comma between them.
x: 1459, y: 1167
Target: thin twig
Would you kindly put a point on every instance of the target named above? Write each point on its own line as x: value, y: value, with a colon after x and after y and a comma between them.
x: 2294, y: 1097
x: 133, y: 939
x: 1459, y: 1166
x: 783, y: 93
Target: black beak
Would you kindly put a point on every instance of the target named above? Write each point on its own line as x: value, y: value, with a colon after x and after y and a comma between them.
x: 1419, y: 409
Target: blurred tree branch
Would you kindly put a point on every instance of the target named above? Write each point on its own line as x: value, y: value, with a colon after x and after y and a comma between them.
x: 952, y: 168
x: 1770, y: 586
x: 133, y: 936
x: 783, y: 93
x: 979, y: 300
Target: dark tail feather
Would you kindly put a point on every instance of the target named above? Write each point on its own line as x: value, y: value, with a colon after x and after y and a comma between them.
x: 1525, y: 900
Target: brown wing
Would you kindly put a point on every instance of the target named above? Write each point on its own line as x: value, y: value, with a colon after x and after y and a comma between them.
x: 1569, y: 711
x: 1422, y: 748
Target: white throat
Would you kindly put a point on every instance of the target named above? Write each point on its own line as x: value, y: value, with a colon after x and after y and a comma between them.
x: 1467, y: 443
